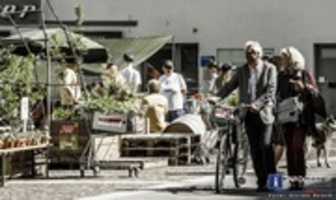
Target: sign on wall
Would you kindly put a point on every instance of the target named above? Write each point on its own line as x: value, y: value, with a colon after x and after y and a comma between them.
x: 22, y: 11
x: 205, y: 60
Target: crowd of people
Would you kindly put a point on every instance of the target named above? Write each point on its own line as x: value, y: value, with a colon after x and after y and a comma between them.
x: 281, y: 95
x: 264, y: 84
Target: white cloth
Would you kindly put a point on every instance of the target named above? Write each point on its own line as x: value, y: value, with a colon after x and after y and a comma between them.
x: 132, y: 77
x: 212, y: 82
x: 71, y: 87
x: 253, y: 80
x: 171, y: 88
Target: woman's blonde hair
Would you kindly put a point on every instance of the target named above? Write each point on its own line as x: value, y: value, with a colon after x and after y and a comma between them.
x: 296, y: 59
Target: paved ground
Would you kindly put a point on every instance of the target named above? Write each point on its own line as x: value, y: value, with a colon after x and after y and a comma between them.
x: 193, y: 182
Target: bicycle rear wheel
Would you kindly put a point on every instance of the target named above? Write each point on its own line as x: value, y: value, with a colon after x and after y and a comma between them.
x: 221, y: 164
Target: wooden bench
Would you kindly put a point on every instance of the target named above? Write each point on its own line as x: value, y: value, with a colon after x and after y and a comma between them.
x: 5, y: 153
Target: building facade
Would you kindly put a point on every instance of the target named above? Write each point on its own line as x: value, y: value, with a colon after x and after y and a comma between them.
x: 219, y: 28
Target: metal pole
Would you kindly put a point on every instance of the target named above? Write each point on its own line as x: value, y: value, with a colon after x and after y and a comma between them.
x: 173, y: 50
x: 49, y: 88
x: 71, y: 44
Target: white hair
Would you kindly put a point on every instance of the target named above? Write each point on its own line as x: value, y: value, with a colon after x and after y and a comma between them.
x: 255, y: 45
x: 296, y: 59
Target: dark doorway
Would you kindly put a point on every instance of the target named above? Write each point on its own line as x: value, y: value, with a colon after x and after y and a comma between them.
x: 325, y: 70
x: 4, y: 33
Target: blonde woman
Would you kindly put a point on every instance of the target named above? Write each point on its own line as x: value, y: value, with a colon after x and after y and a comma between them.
x: 295, y: 82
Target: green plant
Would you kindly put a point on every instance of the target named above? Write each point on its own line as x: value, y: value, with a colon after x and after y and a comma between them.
x: 62, y: 113
x: 112, y: 98
x: 233, y: 99
x: 18, y: 80
x: 109, y: 104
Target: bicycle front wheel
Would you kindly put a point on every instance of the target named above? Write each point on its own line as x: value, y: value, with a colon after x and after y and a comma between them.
x: 221, y: 164
x: 240, y: 162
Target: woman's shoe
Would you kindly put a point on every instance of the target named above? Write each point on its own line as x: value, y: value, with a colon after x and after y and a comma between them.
x: 300, y: 185
x: 294, y: 185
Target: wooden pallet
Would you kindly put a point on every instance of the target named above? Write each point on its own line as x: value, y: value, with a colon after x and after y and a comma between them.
x: 177, y: 148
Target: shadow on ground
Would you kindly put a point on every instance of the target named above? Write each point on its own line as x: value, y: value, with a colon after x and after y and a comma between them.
x: 324, y: 189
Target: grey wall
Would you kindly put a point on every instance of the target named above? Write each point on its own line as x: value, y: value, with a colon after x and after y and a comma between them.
x: 221, y: 23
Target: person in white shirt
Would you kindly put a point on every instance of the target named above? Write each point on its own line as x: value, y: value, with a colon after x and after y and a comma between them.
x: 173, y: 87
x: 132, y: 76
x: 71, y: 90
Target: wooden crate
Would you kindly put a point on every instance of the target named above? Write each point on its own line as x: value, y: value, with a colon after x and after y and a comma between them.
x: 106, y: 147
x: 177, y: 148
x: 69, y: 139
x: 69, y: 135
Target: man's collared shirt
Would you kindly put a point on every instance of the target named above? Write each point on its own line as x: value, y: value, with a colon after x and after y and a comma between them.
x: 132, y: 77
x: 253, y: 80
x: 171, y: 87
x: 71, y: 91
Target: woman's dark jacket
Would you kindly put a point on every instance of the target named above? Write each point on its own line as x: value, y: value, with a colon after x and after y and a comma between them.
x: 308, y: 96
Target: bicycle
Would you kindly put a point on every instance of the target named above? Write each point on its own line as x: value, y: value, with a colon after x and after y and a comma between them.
x: 233, y: 148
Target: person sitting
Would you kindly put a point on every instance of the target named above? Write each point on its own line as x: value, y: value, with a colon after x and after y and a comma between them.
x: 156, y: 107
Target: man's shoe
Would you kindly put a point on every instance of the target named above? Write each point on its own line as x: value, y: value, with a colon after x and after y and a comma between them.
x: 300, y: 185
x: 296, y: 185
x: 262, y: 189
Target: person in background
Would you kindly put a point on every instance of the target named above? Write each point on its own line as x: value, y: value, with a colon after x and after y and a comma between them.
x: 173, y: 87
x: 257, y: 81
x: 132, y: 76
x: 278, y: 136
x: 71, y: 89
x: 224, y: 77
x: 151, y: 72
x: 296, y: 83
x: 156, y: 106
x: 111, y: 76
x: 210, y: 77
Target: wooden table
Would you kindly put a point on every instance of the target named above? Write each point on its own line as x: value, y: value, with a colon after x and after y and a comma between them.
x: 5, y: 153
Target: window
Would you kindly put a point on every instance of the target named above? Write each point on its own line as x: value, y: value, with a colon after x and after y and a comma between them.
x: 236, y: 56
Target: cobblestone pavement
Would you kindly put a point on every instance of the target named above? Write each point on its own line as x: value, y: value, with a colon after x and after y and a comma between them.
x: 66, y: 185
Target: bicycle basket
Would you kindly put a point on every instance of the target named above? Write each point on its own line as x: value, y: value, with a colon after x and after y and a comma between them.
x: 222, y: 116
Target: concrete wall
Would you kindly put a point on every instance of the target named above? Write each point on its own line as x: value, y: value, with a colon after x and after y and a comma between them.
x: 221, y: 23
